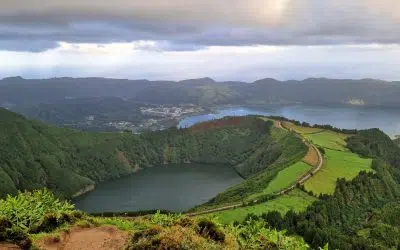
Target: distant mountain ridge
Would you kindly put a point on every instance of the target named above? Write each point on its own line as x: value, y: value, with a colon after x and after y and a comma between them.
x: 205, y: 91
x: 202, y: 79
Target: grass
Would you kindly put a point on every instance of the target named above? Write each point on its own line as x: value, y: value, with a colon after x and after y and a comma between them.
x: 312, y: 157
x: 285, y: 178
x: 120, y: 223
x: 321, y: 137
x: 300, y: 129
x: 338, y: 164
x: 328, y: 139
x: 296, y: 200
x: 276, y: 122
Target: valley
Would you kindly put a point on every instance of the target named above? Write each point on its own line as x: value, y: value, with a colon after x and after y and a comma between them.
x: 199, y: 125
x: 289, y: 169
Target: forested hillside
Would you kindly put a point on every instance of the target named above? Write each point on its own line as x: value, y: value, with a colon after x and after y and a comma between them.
x: 264, y: 164
x: 397, y: 141
x: 34, y: 155
x: 203, y: 91
x: 362, y: 213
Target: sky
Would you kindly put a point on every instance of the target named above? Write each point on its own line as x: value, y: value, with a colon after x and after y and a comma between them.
x: 181, y: 39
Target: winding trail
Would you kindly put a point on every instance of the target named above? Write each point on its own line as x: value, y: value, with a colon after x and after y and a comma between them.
x: 300, y: 181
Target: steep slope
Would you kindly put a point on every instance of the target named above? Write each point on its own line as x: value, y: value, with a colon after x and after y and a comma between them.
x: 34, y: 155
x: 397, y: 141
x: 263, y: 166
x: 357, y: 215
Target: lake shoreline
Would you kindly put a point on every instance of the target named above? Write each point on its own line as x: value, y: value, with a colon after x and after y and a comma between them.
x: 341, y: 116
x: 175, y: 187
x: 83, y: 191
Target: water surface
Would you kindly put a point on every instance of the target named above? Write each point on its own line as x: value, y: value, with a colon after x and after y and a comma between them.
x: 386, y: 119
x: 174, y: 188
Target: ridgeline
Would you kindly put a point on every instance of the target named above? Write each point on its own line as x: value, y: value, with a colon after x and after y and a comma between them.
x: 68, y: 162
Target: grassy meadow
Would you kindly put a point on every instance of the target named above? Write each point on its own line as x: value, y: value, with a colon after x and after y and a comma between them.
x: 338, y: 164
x: 296, y: 200
x: 286, y: 177
x: 328, y: 139
x: 300, y: 129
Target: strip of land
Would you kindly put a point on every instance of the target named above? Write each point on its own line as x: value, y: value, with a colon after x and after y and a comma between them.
x: 278, y: 183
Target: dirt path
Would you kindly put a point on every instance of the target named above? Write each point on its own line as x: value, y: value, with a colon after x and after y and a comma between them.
x: 310, y: 173
x: 311, y: 157
x: 303, y: 179
x: 216, y: 209
x: 97, y: 238
x: 7, y: 246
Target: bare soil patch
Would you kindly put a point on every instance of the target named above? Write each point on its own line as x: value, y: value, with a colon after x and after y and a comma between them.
x: 311, y: 157
x: 97, y: 238
x: 7, y: 246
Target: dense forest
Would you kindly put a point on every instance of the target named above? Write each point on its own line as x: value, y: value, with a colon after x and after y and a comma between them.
x: 362, y: 213
x: 397, y: 141
x: 34, y: 155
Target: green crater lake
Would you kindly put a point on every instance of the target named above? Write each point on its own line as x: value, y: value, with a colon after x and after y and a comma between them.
x: 173, y: 187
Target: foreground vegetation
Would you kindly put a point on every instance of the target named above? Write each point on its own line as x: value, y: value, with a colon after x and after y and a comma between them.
x: 26, y: 226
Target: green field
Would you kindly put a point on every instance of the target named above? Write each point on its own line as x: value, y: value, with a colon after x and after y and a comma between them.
x: 286, y: 177
x: 300, y: 129
x: 296, y: 200
x: 328, y: 139
x: 338, y: 165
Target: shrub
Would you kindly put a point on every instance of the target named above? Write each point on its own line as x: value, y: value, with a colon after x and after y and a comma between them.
x: 27, y: 210
x: 165, y: 219
x: 48, y: 223
x: 148, y: 233
x: 18, y: 237
x: 254, y: 234
x: 208, y: 229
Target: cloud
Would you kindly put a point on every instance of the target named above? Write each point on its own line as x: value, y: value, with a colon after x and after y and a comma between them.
x: 246, y: 63
x: 179, y: 25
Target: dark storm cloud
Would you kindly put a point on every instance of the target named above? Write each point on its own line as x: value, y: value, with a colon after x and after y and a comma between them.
x: 27, y: 45
x: 37, y: 25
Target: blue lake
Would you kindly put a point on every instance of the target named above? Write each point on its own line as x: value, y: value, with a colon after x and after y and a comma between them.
x: 387, y: 120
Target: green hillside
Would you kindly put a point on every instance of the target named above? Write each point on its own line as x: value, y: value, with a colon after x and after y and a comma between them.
x: 397, y: 142
x: 339, y: 164
x: 34, y: 155
x: 296, y: 200
x: 360, y: 210
x: 286, y: 150
x: 359, y: 214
